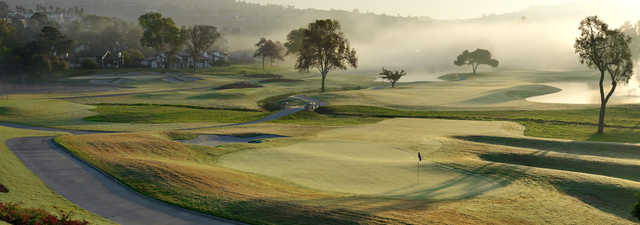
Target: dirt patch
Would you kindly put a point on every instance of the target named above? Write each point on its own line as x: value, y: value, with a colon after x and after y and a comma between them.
x: 3, y: 189
x: 279, y: 80
x: 263, y: 76
x: 239, y: 85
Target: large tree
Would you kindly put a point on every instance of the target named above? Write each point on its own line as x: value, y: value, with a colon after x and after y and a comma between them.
x: 160, y: 33
x: 476, y: 58
x: 200, y: 38
x: 325, y: 48
x: 392, y: 76
x: 269, y: 49
x: 607, y: 51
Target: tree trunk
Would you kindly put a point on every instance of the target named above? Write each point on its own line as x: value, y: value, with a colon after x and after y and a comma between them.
x: 604, y: 101
x: 195, y: 65
x: 324, y: 78
x: 603, y: 104
x: 263, y: 63
x: 393, y: 84
x: 475, y: 68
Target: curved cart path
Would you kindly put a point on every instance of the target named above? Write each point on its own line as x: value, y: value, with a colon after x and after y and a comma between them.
x: 97, y: 192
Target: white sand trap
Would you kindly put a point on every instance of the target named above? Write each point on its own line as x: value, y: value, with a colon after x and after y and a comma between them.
x: 378, y: 159
x: 216, y: 140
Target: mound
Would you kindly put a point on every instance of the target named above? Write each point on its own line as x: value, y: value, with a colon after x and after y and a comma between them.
x: 239, y: 85
x: 263, y: 76
x: 3, y: 189
x: 513, y: 93
x: 279, y: 80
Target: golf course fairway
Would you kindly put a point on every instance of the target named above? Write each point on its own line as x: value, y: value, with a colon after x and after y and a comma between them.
x: 376, y: 159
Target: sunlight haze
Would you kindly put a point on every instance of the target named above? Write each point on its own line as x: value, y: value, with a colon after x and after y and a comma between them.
x: 459, y: 9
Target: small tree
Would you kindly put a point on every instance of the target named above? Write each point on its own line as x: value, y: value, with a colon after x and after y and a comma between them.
x: 269, y: 49
x: 89, y: 64
x: 392, y: 76
x: 608, y: 51
x: 325, y: 48
x: 475, y: 59
x: 200, y: 38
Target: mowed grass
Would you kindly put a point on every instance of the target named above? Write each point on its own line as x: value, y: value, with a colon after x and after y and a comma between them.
x: 500, y: 90
x: 367, y: 174
x: 578, y: 124
x: 188, y: 177
x: 206, y: 92
x: 155, y: 114
x: 27, y: 188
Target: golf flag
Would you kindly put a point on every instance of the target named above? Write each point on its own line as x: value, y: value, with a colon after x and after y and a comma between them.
x: 419, y: 157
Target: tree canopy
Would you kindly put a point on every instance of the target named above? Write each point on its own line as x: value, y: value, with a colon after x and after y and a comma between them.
x: 160, y: 33
x: 325, y: 48
x: 294, y: 41
x: 607, y: 51
x: 476, y: 58
x: 392, y: 76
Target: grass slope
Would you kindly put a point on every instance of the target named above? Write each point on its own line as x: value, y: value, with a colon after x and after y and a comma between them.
x: 564, y: 124
x: 169, y: 114
x: 27, y: 188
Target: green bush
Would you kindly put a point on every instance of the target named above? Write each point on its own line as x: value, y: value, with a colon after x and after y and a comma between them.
x: 89, y: 64
x: 636, y: 210
x: 13, y: 213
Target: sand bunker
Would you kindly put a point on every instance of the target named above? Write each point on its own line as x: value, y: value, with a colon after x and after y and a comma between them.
x: 216, y: 140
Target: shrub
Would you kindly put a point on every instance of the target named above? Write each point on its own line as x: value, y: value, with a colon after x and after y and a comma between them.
x: 636, y: 210
x: 89, y: 64
x: 59, y: 65
x: 13, y: 213
x: 3, y: 189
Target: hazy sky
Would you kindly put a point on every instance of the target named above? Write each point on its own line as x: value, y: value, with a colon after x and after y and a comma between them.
x: 439, y: 9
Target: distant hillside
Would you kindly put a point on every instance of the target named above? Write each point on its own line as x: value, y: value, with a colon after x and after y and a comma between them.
x: 236, y: 18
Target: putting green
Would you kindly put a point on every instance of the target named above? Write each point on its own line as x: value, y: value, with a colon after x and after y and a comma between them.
x: 377, y: 159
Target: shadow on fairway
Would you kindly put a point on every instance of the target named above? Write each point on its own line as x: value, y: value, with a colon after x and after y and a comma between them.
x: 473, y: 182
x: 601, y: 193
x: 612, y: 150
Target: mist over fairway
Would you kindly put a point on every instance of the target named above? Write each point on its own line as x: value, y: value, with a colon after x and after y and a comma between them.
x: 479, y: 118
